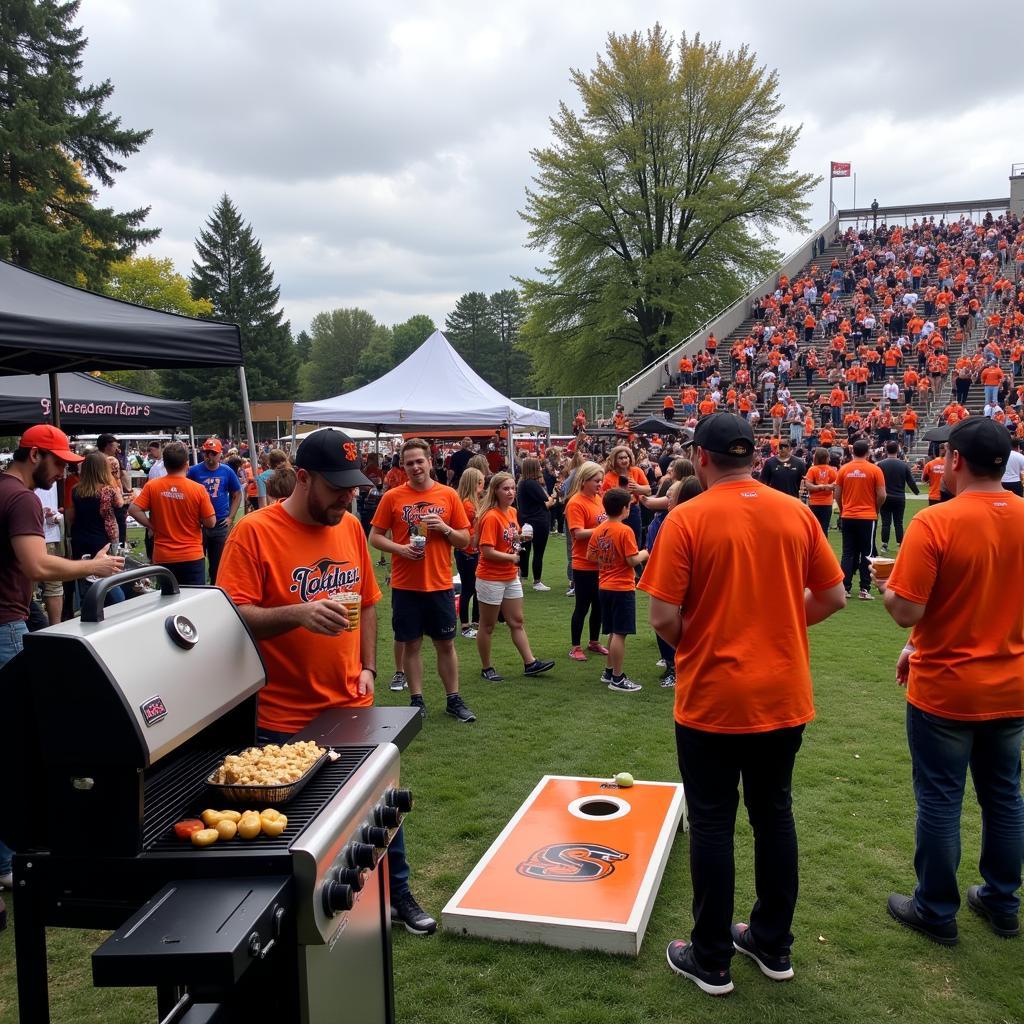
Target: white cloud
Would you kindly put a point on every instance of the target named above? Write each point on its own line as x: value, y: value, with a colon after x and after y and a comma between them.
x: 381, y: 152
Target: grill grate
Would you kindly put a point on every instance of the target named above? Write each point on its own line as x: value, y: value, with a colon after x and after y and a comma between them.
x: 158, y: 833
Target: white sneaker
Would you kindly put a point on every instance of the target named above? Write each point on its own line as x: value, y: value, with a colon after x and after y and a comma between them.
x: 469, y: 632
x: 660, y: 663
x: 539, y: 585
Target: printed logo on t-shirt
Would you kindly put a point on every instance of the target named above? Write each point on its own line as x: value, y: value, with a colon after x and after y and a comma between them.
x: 173, y: 493
x: 413, y: 514
x: 606, y: 554
x: 324, y: 578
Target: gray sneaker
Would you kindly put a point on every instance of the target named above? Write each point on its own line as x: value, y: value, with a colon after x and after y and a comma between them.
x: 606, y: 675
x: 624, y: 685
x: 398, y: 682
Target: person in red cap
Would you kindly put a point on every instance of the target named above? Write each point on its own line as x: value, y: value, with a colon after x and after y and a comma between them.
x: 39, y: 461
x: 225, y: 494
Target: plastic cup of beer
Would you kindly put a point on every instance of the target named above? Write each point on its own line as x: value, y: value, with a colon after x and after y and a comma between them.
x: 419, y: 542
x: 526, y: 530
x: 882, y: 567
x: 352, y: 602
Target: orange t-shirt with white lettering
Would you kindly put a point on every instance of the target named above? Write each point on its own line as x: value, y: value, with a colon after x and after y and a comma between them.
x: 821, y: 475
x: 498, y: 531
x: 609, y: 546
x: 932, y: 473
x: 272, y: 560
x: 742, y: 663
x: 583, y: 513
x: 402, y: 507
x: 176, y: 507
x: 968, y: 660
x: 860, y: 481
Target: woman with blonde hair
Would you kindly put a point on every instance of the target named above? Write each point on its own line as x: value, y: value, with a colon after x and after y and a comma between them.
x: 583, y: 514
x: 622, y: 471
x: 93, y: 520
x: 498, y: 586
x: 471, y: 487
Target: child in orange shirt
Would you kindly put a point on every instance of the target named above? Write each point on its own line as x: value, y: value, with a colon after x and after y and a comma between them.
x: 613, y: 546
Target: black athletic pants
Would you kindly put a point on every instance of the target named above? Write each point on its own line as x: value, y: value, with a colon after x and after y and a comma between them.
x: 892, y: 513
x: 823, y: 513
x: 466, y: 566
x: 587, y: 600
x: 711, y: 765
x: 858, y: 543
x: 536, y: 548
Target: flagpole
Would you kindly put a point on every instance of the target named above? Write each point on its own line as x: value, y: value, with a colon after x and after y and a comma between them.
x: 830, y: 179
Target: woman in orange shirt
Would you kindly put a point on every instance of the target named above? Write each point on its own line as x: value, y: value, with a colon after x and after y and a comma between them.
x: 820, y: 482
x: 499, y: 587
x: 620, y: 470
x: 583, y: 513
x: 471, y: 487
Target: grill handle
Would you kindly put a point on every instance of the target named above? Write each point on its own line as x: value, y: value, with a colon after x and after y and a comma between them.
x: 92, y: 605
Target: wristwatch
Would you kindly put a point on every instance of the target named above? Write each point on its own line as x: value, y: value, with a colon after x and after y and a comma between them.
x: 372, y: 671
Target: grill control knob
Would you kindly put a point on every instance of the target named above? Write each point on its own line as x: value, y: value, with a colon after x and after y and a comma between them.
x: 360, y: 855
x: 352, y: 877
x: 337, y: 898
x: 400, y: 798
x: 375, y: 836
x: 389, y: 817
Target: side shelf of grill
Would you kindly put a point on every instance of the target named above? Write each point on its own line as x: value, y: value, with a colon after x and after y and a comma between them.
x: 202, y: 933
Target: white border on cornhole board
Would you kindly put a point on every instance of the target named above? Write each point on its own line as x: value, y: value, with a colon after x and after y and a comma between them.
x: 568, y: 933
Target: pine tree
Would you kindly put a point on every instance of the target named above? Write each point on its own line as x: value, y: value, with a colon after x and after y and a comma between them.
x: 470, y: 328
x: 55, y: 139
x: 513, y: 362
x: 231, y: 273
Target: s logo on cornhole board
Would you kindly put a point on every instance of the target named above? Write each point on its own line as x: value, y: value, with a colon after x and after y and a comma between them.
x: 571, y: 862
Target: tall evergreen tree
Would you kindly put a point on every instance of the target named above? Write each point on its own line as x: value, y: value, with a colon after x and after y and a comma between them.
x: 470, y: 328
x: 303, y: 346
x: 232, y: 274
x: 55, y: 139
x: 512, y: 366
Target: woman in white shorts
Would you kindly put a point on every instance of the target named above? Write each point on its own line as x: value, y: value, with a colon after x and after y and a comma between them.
x: 498, y: 586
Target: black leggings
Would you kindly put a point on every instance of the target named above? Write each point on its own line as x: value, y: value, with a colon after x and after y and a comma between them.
x: 536, y: 546
x: 587, y: 599
x: 466, y: 564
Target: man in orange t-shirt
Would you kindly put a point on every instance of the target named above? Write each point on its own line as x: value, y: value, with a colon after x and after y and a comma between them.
x: 743, y: 687
x: 426, y: 520
x: 964, y: 672
x: 176, y: 509
x: 288, y: 568
x: 932, y: 475
x: 860, y: 493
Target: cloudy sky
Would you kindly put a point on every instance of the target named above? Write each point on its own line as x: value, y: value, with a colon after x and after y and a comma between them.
x: 381, y: 151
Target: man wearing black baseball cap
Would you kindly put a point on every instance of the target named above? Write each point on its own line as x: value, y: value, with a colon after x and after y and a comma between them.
x: 963, y: 668
x: 294, y: 570
x: 743, y: 688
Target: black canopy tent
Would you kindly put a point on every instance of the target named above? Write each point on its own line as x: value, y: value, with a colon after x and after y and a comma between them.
x: 86, y: 403
x: 49, y: 327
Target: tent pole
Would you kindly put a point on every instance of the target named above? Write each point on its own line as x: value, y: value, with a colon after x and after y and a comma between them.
x: 247, y: 412
x: 54, y: 401
x: 192, y: 438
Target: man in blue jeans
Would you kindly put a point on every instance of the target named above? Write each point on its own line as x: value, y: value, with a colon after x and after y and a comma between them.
x: 39, y: 461
x: 964, y: 672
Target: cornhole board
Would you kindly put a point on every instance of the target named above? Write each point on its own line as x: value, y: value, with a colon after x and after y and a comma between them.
x: 578, y: 866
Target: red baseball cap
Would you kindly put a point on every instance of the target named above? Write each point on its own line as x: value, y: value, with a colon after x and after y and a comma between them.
x: 211, y: 444
x: 49, y: 439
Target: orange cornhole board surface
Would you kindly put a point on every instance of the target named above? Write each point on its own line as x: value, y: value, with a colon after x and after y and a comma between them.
x: 578, y: 866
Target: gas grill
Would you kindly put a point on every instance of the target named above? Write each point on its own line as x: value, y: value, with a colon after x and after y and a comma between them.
x: 118, y: 719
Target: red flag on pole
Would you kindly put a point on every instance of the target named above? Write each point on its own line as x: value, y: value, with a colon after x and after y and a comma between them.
x: 840, y: 170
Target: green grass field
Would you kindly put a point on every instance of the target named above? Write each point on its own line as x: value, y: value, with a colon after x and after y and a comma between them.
x: 855, y: 817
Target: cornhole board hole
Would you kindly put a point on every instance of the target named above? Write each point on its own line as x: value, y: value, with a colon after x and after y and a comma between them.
x: 578, y: 866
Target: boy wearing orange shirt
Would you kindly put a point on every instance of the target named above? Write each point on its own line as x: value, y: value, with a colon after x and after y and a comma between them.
x: 740, y: 709
x: 860, y: 493
x: 613, y: 546
x: 963, y: 668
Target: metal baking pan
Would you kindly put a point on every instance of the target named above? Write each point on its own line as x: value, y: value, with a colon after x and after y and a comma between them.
x: 234, y: 792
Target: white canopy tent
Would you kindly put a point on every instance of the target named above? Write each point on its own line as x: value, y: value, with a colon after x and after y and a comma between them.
x: 433, y: 388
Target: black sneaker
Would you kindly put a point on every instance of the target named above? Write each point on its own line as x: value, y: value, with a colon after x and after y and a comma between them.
x: 778, y: 968
x: 416, y: 701
x: 417, y: 921
x: 490, y: 675
x: 606, y: 675
x: 398, y: 682
x: 457, y: 709
x: 902, y: 909
x: 668, y: 681
x: 624, y: 685
x: 1006, y: 926
x: 538, y: 667
x: 681, y: 959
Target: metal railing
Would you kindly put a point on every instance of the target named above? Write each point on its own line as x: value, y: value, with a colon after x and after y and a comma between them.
x: 647, y: 381
x: 890, y: 214
x: 562, y: 408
